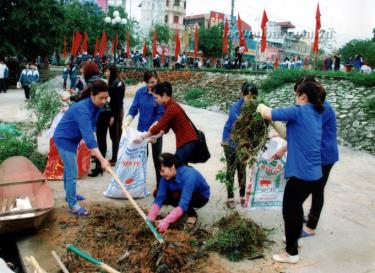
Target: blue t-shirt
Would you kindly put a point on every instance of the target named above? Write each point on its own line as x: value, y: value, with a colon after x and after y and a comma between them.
x: 304, y: 137
x: 149, y: 111
x: 77, y: 123
x: 187, y: 181
x: 330, y: 153
x: 234, y: 113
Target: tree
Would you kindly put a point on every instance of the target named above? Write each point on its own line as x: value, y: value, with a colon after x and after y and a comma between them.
x: 163, y: 33
x: 30, y: 27
x: 365, y: 48
x: 373, y: 32
x: 210, y: 41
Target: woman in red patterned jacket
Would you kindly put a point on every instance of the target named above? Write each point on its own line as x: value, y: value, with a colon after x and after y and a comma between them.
x: 174, y: 118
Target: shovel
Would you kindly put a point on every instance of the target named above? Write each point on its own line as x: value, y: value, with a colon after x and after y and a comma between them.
x: 90, y: 259
x: 135, y: 205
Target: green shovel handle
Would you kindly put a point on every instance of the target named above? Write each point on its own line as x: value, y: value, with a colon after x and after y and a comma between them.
x: 83, y: 255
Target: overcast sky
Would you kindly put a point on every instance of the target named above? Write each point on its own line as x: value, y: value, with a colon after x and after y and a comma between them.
x: 349, y: 18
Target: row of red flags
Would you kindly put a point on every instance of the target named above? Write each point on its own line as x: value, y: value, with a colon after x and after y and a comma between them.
x: 77, y: 38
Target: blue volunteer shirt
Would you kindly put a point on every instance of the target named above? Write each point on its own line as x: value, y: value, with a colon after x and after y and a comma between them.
x: 330, y: 153
x: 187, y: 181
x: 144, y: 103
x: 304, y: 137
x: 77, y: 123
x: 234, y: 113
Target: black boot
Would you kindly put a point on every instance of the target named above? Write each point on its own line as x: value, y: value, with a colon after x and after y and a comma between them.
x: 95, y: 172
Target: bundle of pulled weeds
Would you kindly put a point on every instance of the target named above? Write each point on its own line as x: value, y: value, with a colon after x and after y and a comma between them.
x: 119, y: 237
x: 250, y: 133
x: 238, y: 238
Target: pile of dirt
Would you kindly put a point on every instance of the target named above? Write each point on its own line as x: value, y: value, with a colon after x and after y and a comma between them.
x: 118, y: 237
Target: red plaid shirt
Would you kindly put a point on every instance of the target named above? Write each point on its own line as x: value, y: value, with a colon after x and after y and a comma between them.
x: 174, y: 118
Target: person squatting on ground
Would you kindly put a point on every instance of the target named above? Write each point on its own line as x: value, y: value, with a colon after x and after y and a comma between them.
x: 149, y: 112
x: 182, y: 187
x: 176, y: 119
x: 79, y: 123
x: 248, y: 92
x: 303, y: 164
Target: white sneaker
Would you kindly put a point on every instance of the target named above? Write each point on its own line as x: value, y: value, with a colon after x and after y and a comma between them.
x: 300, y: 241
x: 286, y: 258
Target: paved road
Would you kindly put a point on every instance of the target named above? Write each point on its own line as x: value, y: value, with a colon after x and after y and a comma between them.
x: 345, y: 241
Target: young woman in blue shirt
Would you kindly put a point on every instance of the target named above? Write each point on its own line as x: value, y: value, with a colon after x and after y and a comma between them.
x: 303, y: 164
x: 149, y: 112
x: 79, y: 123
x: 248, y: 91
x: 182, y: 187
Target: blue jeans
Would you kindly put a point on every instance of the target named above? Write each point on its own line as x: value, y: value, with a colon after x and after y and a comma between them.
x: 73, y: 83
x: 185, y: 151
x: 70, y: 176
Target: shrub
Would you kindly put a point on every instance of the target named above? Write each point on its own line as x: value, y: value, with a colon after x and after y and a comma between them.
x: 193, y: 94
x: 44, y: 105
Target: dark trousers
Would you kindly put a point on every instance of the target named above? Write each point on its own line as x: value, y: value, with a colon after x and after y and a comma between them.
x: 233, y: 164
x: 185, y: 151
x: 156, y: 152
x: 317, y: 198
x: 2, y: 85
x: 64, y: 84
x: 101, y: 134
x: 27, y: 91
x: 115, y: 132
x: 173, y: 199
x: 296, y: 192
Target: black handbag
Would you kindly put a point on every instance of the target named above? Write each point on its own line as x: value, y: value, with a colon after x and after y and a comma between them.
x: 201, y: 153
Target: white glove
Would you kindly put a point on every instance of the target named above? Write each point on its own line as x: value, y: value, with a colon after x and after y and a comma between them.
x: 127, y: 122
x: 279, y: 128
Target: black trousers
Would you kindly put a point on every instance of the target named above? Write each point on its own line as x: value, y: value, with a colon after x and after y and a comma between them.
x: 156, y: 152
x: 2, y: 85
x: 173, y: 199
x: 296, y: 192
x: 115, y: 132
x: 27, y: 91
x: 317, y: 198
x: 102, y: 126
x: 233, y: 164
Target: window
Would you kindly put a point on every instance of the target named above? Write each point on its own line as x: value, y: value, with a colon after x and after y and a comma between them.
x: 167, y: 3
x: 177, y: 3
x: 166, y: 19
x: 175, y: 19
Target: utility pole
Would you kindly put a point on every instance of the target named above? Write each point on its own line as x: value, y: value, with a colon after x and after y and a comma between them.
x: 232, y: 26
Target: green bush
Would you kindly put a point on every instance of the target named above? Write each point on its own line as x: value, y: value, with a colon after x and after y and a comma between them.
x: 130, y: 81
x: 24, y: 145
x: 279, y: 77
x: 193, y: 94
x: 45, y: 104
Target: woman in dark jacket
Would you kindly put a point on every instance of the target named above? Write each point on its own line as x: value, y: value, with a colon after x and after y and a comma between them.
x: 110, y: 117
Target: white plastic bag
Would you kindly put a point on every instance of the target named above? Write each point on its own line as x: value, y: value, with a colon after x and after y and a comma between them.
x: 131, y: 167
x: 19, y: 85
x: 267, y: 182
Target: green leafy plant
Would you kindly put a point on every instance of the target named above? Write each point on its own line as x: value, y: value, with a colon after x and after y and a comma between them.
x: 44, y: 105
x: 195, y: 97
x: 238, y: 238
x: 20, y: 144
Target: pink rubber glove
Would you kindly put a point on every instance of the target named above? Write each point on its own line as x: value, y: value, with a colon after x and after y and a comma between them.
x: 153, y: 212
x: 172, y: 217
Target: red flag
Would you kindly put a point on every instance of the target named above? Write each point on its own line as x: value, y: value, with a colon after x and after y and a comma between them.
x: 178, y: 45
x: 154, y: 45
x: 225, y: 37
x: 77, y: 42
x: 72, y: 48
x: 240, y: 33
x: 276, y: 64
x: 317, y: 29
x: 196, y: 42
x: 103, y: 44
x: 128, y: 44
x: 264, y: 32
x: 84, y: 43
x: 65, y: 53
x: 144, y: 49
x: 96, y: 47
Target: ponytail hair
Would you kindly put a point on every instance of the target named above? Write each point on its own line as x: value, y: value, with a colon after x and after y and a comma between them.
x: 169, y: 160
x: 314, y: 92
x: 94, y: 89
